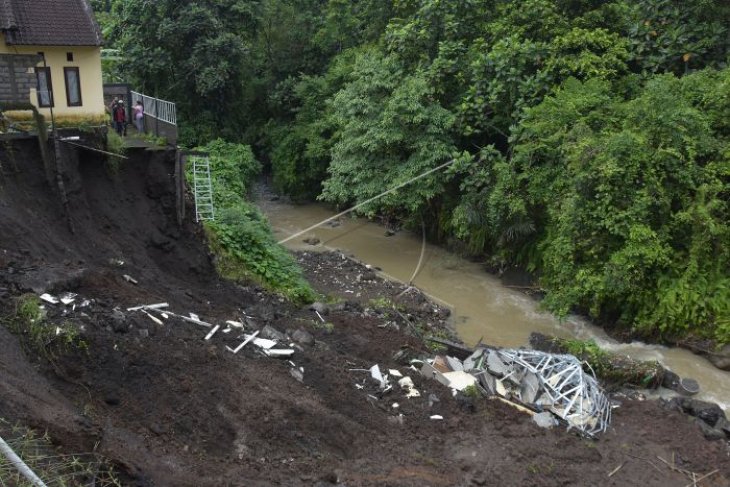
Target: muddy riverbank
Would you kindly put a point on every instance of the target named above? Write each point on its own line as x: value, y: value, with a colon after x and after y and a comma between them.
x: 483, y: 308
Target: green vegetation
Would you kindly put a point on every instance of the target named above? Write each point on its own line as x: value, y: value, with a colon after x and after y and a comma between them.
x: 591, y: 137
x: 115, y: 145
x: 39, y: 335
x: 240, y: 236
x: 38, y: 453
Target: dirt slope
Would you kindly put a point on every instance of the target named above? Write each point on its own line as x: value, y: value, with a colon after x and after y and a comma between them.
x: 171, y: 409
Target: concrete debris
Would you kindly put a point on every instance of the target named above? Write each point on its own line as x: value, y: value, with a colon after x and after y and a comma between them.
x: 150, y: 306
x: 545, y: 420
x: 245, y: 342
x: 410, y: 388
x: 235, y: 324
x: 264, y: 343
x: 279, y: 352
x: 212, y: 332
x: 548, y: 383
x: 460, y: 380
x: 437, y: 417
x: 153, y: 318
x: 395, y: 373
x: 378, y: 376
x: 130, y: 279
x: 68, y: 298
x: 195, y: 317
x: 49, y: 299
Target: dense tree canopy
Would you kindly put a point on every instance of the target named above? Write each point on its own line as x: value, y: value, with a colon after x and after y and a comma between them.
x: 592, y: 137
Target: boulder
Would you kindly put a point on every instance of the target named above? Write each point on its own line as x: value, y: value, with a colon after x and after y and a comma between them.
x: 272, y: 334
x: 671, y: 380
x: 302, y: 337
x: 320, y: 308
x: 712, y: 434
x: 710, y: 413
x: 721, y: 358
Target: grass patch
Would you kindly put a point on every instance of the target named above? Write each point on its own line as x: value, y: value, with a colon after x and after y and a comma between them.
x: 38, y: 453
x: 115, y: 145
x: 40, y: 336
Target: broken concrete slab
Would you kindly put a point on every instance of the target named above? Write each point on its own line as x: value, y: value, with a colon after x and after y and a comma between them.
x: 545, y: 420
x: 460, y: 380
x: 454, y: 364
x: 428, y: 371
x: 49, y: 298
x: 529, y: 388
x: 376, y: 374
x: 496, y: 366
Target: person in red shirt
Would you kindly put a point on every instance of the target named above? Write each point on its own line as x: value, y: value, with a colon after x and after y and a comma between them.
x: 119, y: 115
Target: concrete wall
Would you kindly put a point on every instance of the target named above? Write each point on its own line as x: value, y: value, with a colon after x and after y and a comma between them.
x: 17, y: 77
x: 87, y: 59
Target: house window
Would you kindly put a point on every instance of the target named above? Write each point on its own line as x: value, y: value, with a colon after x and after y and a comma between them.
x: 73, y: 86
x: 44, y: 87
x: 70, y: 57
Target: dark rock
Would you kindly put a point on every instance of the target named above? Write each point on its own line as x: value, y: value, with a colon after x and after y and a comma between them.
x: 272, y: 333
x: 303, y: 337
x: 368, y: 276
x: 320, y: 308
x: 721, y: 358
x: 708, y: 412
x: 724, y: 426
x: 112, y: 400
x: 389, y: 233
x: 144, y: 333
x: 312, y: 241
x: 712, y: 434
x: 545, y: 343
x: 671, y: 380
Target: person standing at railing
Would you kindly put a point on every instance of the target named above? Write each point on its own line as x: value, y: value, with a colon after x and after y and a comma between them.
x: 139, y: 116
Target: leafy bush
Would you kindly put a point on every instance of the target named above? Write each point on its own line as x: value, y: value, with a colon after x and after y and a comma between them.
x: 39, y: 335
x: 240, y: 236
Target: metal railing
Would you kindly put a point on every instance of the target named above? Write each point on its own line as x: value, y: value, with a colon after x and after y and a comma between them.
x: 162, y: 110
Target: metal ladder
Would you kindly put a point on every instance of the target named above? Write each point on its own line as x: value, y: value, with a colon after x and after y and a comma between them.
x: 203, y: 190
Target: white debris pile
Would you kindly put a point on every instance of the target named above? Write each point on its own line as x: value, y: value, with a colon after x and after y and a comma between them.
x: 265, y: 345
x: 66, y: 299
x: 542, y: 382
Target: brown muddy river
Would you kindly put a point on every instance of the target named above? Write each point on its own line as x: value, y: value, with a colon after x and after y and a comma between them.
x: 482, y: 306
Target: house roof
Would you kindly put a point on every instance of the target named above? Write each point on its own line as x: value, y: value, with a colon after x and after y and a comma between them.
x: 49, y: 23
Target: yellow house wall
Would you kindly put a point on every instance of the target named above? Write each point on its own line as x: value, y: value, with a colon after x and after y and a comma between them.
x: 87, y: 59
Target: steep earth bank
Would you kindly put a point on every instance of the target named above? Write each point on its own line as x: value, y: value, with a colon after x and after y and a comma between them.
x: 169, y: 408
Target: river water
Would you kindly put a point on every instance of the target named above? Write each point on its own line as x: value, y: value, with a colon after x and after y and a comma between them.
x: 482, y: 307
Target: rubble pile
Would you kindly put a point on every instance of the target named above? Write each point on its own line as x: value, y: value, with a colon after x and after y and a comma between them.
x: 540, y: 382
